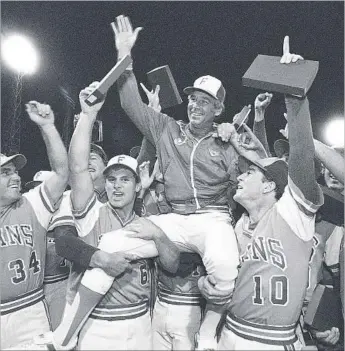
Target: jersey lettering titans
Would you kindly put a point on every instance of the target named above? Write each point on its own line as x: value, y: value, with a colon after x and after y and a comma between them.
x: 273, y: 274
x: 23, y: 228
x: 131, y: 288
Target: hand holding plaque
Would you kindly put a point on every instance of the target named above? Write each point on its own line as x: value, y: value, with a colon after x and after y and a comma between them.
x: 290, y: 74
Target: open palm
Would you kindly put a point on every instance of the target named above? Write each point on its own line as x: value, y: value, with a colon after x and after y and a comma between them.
x: 125, y: 36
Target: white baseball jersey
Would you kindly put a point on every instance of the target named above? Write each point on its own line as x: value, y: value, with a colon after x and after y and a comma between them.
x: 129, y: 295
x: 273, y: 276
x: 23, y: 228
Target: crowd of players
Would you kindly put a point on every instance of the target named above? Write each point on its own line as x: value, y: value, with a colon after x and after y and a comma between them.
x: 201, y: 240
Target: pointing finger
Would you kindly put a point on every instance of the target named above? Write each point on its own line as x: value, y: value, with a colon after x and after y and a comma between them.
x: 286, y: 45
x: 250, y: 132
x: 144, y: 88
x: 157, y: 89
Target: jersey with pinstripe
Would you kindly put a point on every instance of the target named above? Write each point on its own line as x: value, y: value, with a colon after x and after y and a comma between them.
x: 273, y: 275
x: 57, y: 268
x: 131, y: 287
x: 23, y: 228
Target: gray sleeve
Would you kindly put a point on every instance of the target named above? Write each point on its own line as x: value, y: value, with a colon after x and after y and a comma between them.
x: 259, y: 131
x: 150, y: 123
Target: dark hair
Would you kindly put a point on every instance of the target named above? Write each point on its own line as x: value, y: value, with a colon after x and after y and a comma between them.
x: 277, y: 193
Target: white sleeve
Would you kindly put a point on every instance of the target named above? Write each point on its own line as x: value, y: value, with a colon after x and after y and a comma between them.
x: 42, y: 204
x: 332, y: 250
x: 63, y: 216
x: 243, y: 237
x: 85, y: 219
x: 298, y: 212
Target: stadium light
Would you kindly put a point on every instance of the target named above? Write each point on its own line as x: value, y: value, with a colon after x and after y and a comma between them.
x: 334, y: 132
x: 19, y: 54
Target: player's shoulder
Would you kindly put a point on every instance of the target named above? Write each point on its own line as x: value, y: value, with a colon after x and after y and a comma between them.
x: 29, y: 198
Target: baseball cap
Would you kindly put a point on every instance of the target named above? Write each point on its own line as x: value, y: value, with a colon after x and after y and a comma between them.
x: 123, y: 160
x: 38, y: 178
x: 99, y: 151
x: 276, y: 170
x: 281, y: 147
x: 209, y: 85
x: 18, y: 160
x: 134, y: 151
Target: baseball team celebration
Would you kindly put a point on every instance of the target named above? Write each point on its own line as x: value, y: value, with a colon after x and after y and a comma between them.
x: 194, y: 222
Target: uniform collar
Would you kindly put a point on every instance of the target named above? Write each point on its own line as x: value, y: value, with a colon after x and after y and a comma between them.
x: 123, y: 223
x: 191, y: 136
x: 101, y: 195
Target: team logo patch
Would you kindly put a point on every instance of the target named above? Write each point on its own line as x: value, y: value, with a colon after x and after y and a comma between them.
x: 214, y: 153
x: 179, y: 141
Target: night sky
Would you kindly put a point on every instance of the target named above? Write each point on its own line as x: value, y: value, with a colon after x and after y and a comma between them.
x: 76, y: 46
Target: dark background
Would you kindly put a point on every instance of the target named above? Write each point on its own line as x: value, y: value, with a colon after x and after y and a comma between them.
x: 76, y: 47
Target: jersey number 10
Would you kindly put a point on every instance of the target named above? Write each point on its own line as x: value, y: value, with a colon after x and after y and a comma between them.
x: 278, y: 290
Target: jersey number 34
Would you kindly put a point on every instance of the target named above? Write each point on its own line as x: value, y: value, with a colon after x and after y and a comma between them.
x: 21, y: 271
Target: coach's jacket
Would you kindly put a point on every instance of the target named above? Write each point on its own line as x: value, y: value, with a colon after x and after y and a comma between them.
x: 197, y: 173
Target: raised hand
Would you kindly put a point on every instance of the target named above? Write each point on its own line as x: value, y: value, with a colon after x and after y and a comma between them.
x: 285, y: 131
x: 153, y: 97
x: 262, y: 101
x: 125, y: 36
x: 225, y: 131
x: 144, y: 174
x: 41, y: 114
x: 89, y: 110
x: 249, y: 141
x: 238, y: 118
x: 156, y: 173
x: 287, y: 57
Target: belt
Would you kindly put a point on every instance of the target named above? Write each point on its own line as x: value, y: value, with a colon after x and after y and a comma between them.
x: 130, y: 311
x: 176, y: 298
x: 189, y: 207
x: 22, y: 301
x: 50, y: 279
x: 265, y: 334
